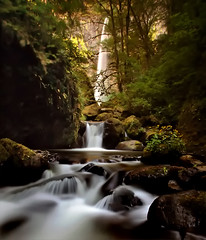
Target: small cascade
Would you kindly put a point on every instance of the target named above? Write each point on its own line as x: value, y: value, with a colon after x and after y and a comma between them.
x: 94, y: 134
x: 75, y: 206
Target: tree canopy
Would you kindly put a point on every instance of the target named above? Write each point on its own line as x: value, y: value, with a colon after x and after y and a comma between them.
x: 157, y: 48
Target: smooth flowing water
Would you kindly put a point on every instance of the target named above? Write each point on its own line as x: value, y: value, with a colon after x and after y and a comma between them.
x: 70, y: 203
x: 80, y: 201
x: 94, y: 134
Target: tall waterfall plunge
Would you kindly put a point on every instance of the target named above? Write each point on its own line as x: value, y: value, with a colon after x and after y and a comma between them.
x: 100, y: 84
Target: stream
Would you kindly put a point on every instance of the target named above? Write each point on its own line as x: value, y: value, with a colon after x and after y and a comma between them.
x: 70, y: 203
x: 87, y: 200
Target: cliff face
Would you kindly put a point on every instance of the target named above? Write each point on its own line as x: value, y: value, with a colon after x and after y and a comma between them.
x: 38, y: 100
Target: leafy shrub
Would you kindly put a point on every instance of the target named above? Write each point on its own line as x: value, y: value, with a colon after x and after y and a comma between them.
x: 166, y: 141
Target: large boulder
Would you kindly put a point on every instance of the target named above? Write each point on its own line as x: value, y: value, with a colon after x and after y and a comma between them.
x: 91, y: 111
x: 133, y: 145
x: 113, y: 133
x: 104, y: 116
x: 157, y: 179
x: 134, y: 128
x: 184, y: 211
x: 19, y: 164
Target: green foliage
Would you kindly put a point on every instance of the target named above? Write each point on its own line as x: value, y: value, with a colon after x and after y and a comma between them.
x: 166, y: 141
x: 46, y: 26
x: 177, y: 72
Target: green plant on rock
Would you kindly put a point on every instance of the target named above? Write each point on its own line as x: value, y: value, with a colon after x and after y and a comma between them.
x: 167, y: 141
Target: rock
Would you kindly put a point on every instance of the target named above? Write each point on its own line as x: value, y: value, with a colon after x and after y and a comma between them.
x: 155, y: 179
x: 133, y: 127
x: 184, y: 211
x: 33, y: 111
x: 80, y: 142
x: 189, y: 161
x: 173, y: 185
x: 134, y: 145
x: 112, y: 182
x: 103, y: 116
x: 91, y: 167
x: 19, y: 164
x: 124, y: 199
x: 107, y: 110
x: 15, y: 152
x: 113, y: 133
x: 91, y: 111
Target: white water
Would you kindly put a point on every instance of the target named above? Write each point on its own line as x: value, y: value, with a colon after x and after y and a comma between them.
x: 94, y: 134
x: 61, y: 208
x: 100, y: 85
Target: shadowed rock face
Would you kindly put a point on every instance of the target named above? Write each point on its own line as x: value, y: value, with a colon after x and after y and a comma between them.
x: 113, y: 133
x: 31, y: 112
x: 185, y: 211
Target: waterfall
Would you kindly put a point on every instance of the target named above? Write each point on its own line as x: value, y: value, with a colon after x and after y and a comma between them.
x: 99, y: 88
x: 94, y: 134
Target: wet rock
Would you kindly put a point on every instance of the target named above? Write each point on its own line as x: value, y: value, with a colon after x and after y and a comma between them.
x: 133, y: 145
x: 184, y: 211
x: 112, y: 182
x: 154, y: 178
x: 92, y: 168
x: 131, y: 158
x: 113, y: 133
x: 124, y: 199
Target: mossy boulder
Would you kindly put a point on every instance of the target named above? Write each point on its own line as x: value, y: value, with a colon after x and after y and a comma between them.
x: 113, y: 133
x: 15, y: 151
x: 133, y: 128
x: 91, y: 111
x: 19, y: 164
x: 104, y: 116
x: 133, y: 145
x: 155, y: 178
x: 184, y: 211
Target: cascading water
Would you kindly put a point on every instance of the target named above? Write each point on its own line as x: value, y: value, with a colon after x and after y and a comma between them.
x: 94, y: 134
x: 73, y: 203
x: 64, y: 206
x: 99, y: 89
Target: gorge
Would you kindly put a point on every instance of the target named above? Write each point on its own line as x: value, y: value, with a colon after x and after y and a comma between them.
x: 102, y: 124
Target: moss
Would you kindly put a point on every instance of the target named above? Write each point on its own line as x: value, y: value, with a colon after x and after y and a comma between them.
x: 103, y: 116
x: 133, y: 127
x: 15, y: 150
x: 4, y: 154
x: 117, y: 124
